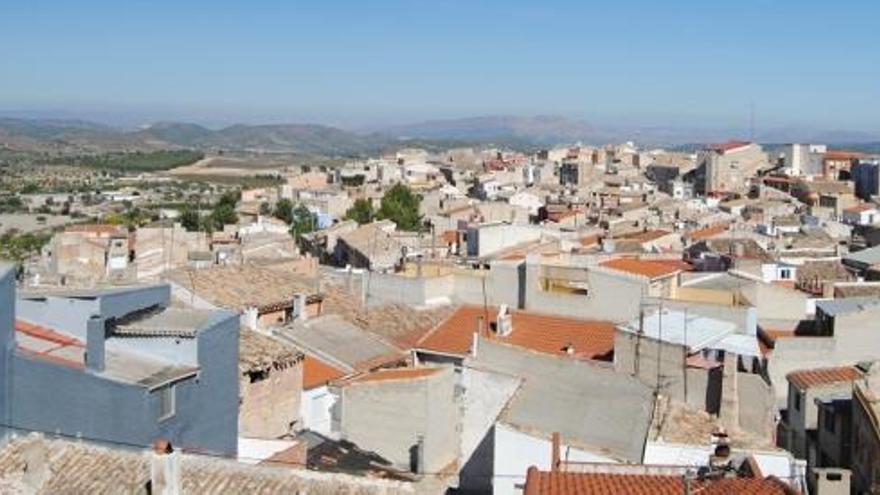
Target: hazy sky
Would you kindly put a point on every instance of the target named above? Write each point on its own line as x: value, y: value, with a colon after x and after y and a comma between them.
x: 351, y: 63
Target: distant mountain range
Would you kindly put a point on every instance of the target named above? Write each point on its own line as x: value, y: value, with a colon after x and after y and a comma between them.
x: 550, y: 130
x: 314, y: 139
x: 283, y: 138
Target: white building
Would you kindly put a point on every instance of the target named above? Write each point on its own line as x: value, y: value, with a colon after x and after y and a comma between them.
x: 803, y: 159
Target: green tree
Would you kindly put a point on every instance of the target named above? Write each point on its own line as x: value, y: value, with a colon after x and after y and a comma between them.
x: 361, y: 211
x: 401, y: 206
x: 265, y: 209
x: 229, y: 198
x: 223, y: 214
x: 19, y: 247
x: 189, y: 218
x: 284, y: 210
x: 303, y: 221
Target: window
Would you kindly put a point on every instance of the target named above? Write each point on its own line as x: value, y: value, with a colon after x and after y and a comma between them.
x: 166, y: 402
x: 785, y: 274
x: 797, y: 400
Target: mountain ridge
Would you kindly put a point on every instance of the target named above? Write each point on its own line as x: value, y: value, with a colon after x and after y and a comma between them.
x: 307, y: 138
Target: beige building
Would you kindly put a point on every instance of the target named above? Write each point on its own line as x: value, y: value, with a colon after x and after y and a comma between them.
x: 270, y: 386
x: 728, y: 166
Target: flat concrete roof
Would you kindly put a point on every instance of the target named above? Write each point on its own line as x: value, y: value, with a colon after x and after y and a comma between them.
x: 588, y: 404
x: 693, y: 331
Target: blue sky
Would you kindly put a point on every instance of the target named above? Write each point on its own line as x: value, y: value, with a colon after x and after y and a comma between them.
x: 354, y: 63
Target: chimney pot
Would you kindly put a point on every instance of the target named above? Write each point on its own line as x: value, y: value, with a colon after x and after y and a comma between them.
x: 299, y: 307
x: 556, y: 442
x: 164, y: 469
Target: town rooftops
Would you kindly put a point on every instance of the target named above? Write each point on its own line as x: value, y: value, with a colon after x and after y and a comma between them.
x: 590, y: 405
x: 842, y: 155
x: 837, y: 307
x: 707, y: 232
x: 82, y: 467
x: 860, y: 208
x: 340, y: 343
x: 343, y: 456
x: 317, y: 373
x: 694, y: 331
x: 817, y: 377
x: 653, y: 269
x: 376, y: 242
x: 728, y: 146
x: 588, y: 339
x: 863, y: 258
x: 400, y: 324
x: 62, y: 349
x: 166, y: 322
x: 258, y: 352
x: 239, y: 287
x: 394, y: 374
x: 572, y: 483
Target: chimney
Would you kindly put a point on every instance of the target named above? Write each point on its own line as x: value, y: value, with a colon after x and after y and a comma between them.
x: 480, y: 323
x: 96, y: 335
x: 554, y: 455
x: 164, y: 469
x: 36, y: 459
x: 251, y: 317
x: 719, y: 460
x: 729, y: 413
x: 504, y: 322
x: 476, y: 343
x: 299, y: 307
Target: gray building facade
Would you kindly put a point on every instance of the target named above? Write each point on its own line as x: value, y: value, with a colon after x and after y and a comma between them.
x: 120, y: 366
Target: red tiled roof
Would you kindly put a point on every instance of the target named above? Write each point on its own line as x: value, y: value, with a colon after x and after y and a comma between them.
x: 646, y: 236
x: 317, y: 373
x: 707, y: 232
x: 395, y: 374
x: 842, y: 155
x: 860, y: 208
x: 568, y: 483
x: 646, y: 268
x: 728, y: 146
x: 589, y: 339
x: 55, y: 345
x: 804, y: 379
x: 449, y: 236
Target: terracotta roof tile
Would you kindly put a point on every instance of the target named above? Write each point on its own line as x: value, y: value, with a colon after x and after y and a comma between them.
x: 394, y: 374
x: 860, y: 208
x: 804, y: 379
x: 646, y: 236
x: 842, y: 155
x: 49, y: 345
x: 589, y: 339
x: 646, y: 268
x: 317, y: 373
x: 568, y: 483
x: 707, y: 232
x: 728, y: 146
